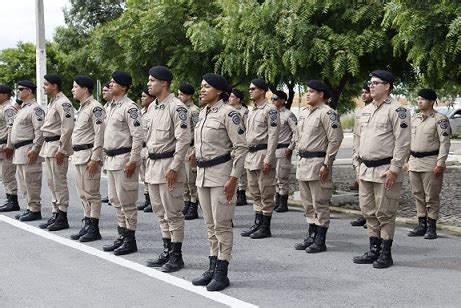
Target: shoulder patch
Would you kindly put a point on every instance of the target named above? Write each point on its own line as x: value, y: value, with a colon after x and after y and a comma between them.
x: 273, y: 117
x: 67, y: 108
x: 182, y: 113
x: 235, y: 116
x: 293, y: 117
x: 402, y: 112
x: 98, y: 114
x: 333, y: 116
x: 39, y: 113
x: 133, y: 112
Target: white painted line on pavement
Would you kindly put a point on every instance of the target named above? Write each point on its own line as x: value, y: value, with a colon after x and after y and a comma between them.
x: 177, y: 282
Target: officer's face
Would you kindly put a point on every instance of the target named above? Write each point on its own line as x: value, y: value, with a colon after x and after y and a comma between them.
x: 425, y: 104
x: 23, y: 93
x: 49, y: 88
x: 277, y: 101
x: 146, y: 100
x: 185, y: 98
x: 208, y: 94
x: 78, y: 92
x: 106, y: 94
x: 255, y: 93
x: 155, y: 86
x: 366, y: 96
x: 314, y: 97
x: 116, y: 89
x: 234, y: 101
x: 378, y: 88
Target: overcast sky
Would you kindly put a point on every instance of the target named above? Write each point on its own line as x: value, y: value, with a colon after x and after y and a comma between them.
x: 17, y: 21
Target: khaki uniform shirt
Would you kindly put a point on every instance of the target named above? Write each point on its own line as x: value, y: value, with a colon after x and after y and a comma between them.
x: 59, y: 121
x: 429, y: 134
x: 7, y: 115
x: 287, y: 130
x: 263, y: 126
x: 194, y: 112
x: 26, y: 126
x: 220, y: 131
x: 123, y: 130
x: 318, y: 130
x: 383, y: 132
x: 89, y: 129
x: 145, y: 128
x: 169, y: 131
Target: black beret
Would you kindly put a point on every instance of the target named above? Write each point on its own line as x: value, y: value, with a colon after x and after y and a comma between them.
x: 107, y: 85
x: 146, y: 90
x: 54, y: 79
x: 28, y: 84
x: 320, y: 86
x: 281, y: 94
x: 260, y: 84
x: 238, y: 93
x: 84, y: 81
x: 428, y: 94
x: 161, y: 73
x: 5, y: 89
x: 366, y: 86
x: 383, y: 75
x: 216, y: 81
x: 122, y: 78
x: 186, y: 88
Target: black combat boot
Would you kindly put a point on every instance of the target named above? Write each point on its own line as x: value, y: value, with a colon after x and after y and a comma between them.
x: 192, y: 211
x: 241, y: 198
x: 60, y: 223
x: 175, y: 262
x: 128, y: 245
x: 207, y: 276
x: 255, y: 227
x: 148, y: 209
x: 163, y: 257
x: 93, y: 233
x: 277, y: 201
x: 359, y: 222
x: 31, y: 216
x: 264, y: 230
x: 105, y: 199
x: 431, y: 233
x: 83, y: 230
x: 145, y: 204
x: 220, y: 280
x: 309, y: 240
x: 49, y: 222
x: 19, y: 215
x: 11, y: 204
x: 319, y: 241
x: 370, y: 256
x: 420, y: 229
x: 283, y: 204
x: 118, y: 242
x: 185, y: 209
x: 385, y: 257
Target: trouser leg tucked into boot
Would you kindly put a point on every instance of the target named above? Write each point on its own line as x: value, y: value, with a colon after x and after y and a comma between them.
x: 192, y: 211
x: 83, y: 230
x: 175, y: 262
x: 220, y: 280
x: 283, y: 204
x: 93, y: 233
x: 309, y: 240
x: 163, y: 257
x: 128, y: 245
x: 385, y: 257
x: 420, y: 229
x: 370, y: 256
x: 207, y: 276
x: 60, y: 223
x: 277, y: 201
x: 49, y: 222
x: 431, y: 232
x: 255, y: 227
x: 241, y: 198
x: 264, y: 230
x: 118, y: 242
x: 319, y: 241
x: 146, y: 202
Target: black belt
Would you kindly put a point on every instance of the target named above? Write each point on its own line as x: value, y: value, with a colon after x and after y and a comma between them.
x: 22, y: 143
x: 201, y: 163
x: 256, y: 147
x: 307, y: 154
x: 424, y: 154
x: 81, y: 147
x: 3, y: 141
x: 377, y: 163
x: 52, y: 138
x: 192, y: 143
x: 163, y: 155
x: 116, y: 152
x: 282, y: 145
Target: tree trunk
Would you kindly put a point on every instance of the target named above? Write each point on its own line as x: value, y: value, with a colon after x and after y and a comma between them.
x: 291, y: 94
x: 336, y: 92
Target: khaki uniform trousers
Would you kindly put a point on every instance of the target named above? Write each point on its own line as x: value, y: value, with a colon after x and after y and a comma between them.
x: 57, y: 182
x: 190, y: 190
x: 243, y: 182
x: 379, y: 207
x: 142, y: 174
x: 88, y: 189
x: 9, y: 176
x: 123, y: 194
x: 262, y: 189
x: 168, y: 205
x: 218, y: 214
x: 315, y: 197
x: 426, y: 188
x: 30, y: 185
x: 282, y: 172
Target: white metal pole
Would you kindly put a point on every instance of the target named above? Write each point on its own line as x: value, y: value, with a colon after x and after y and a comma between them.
x: 40, y: 51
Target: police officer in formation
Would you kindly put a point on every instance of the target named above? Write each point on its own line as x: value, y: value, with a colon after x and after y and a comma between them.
x: 57, y: 147
x: 318, y: 139
x: 185, y: 93
x: 123, y: 140
x: 284, y: 150
x: 430, y: 143
x: 262, y: 138
x: 7, y: 115
x: 219, y: 133
x: 236, y: 100
x: 146, y: 100
x: 107, y: 97
x: 382, y: 148
x: 167, y: 142
x: 87, y: 143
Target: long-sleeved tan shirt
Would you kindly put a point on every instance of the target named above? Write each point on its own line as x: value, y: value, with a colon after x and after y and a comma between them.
x: 89, y: 129
x: 123, y: 130
x: 59, y: 121
x: 220, y: 131
x: 7, y: 115
x: 287, y: 131
x: 263, y: 126
x: 429, y: 134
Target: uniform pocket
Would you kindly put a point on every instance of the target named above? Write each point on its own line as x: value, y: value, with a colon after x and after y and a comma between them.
x: 162, y: 134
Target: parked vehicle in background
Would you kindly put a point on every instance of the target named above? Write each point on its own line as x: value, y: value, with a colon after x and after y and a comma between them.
x: 454, y: 115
